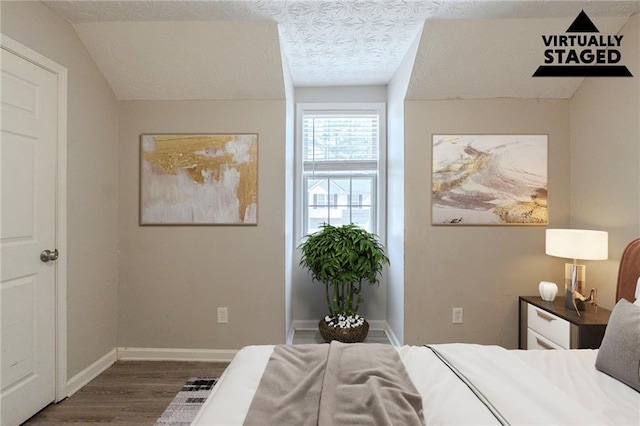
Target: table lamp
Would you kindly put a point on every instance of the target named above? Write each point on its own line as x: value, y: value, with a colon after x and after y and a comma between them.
x: 576, y: 244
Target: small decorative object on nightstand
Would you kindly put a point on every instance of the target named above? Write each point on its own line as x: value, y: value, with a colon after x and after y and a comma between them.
x: 551, y: 325
x: 548, y: 290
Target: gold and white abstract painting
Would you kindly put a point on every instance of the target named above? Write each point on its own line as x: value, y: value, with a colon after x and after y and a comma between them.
x: 489, y: 180
x: 199, y: 179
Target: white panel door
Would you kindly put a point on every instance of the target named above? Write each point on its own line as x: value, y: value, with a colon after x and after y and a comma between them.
x: 28, y: 227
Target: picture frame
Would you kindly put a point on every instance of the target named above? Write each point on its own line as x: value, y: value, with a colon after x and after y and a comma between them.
x: 199, y: 179
x: 499, y: 179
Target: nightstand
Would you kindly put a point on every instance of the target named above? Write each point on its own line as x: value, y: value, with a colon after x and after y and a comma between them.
x: 550, y: 325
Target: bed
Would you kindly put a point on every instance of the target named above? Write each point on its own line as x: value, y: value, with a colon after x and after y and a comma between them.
x: 452, y: 384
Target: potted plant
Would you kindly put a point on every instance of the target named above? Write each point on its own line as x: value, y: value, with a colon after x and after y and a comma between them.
x: 343, y: 258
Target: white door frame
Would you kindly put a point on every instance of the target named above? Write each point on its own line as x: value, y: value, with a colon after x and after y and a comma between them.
x: 61, y: 206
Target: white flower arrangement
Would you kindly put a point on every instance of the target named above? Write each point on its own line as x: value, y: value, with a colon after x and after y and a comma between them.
x: 344, y: 321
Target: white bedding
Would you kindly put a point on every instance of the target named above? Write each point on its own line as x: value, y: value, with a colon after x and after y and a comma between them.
x: 527, y: 387
x: 574, y: 372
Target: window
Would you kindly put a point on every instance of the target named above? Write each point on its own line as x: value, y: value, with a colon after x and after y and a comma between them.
x: 341, y: 162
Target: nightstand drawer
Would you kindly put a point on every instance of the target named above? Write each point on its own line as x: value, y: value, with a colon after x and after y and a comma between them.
x: 560, y: 325
x: 549, y: 326
x: 536, y: 341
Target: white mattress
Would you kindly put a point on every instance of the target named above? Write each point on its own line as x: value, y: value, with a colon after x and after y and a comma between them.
x: 574, y: 372
x: 585, y: 395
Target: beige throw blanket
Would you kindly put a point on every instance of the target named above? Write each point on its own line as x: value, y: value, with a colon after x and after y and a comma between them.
x: 336, y: 384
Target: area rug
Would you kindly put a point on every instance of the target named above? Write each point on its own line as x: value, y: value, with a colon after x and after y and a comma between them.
x: 185, y: 406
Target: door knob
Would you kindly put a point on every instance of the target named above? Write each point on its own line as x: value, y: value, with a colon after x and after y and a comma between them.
x: 48, y: 255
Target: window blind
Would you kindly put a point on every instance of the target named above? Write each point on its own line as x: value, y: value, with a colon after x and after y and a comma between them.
x: 339, y: 140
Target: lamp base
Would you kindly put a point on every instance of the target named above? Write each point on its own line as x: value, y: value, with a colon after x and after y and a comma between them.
x: 568, y: 302
x: 580, y: 275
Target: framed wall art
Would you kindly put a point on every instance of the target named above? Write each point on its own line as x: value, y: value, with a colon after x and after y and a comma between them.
x: 489, y: 180
x: 198, y: 179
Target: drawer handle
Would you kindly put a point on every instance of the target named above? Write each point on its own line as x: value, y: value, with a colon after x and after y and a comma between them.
x: 544, y: 344
x: 545, y: 316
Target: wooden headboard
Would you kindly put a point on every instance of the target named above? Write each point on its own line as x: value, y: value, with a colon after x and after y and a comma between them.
x: 629, y: 272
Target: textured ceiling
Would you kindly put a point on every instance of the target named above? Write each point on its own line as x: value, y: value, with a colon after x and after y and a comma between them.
x: 219, y: 49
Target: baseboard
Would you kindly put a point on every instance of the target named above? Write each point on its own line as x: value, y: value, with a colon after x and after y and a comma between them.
x: 313, y: 325
x: 392, y: 336
x: 91, y: 372
x: 290, y: 334
x: 161, y: 354
x: 304, y: 325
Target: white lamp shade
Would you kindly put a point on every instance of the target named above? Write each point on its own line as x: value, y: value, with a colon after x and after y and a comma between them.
x: 577, y: 244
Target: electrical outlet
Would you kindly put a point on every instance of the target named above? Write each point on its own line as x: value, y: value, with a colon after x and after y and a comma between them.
x: 456, y: 316
x: 223, y: 316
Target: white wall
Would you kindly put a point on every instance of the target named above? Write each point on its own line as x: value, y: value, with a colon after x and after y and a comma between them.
x: 341, y: 94
x: 605, y: 161
x: 289, y: 186
x: 92, y: 167
x: 396, y: 92
x: 480, y: 268
x: 172, y: 278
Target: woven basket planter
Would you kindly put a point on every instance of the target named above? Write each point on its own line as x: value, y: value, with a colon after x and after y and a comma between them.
x: 344, y: 335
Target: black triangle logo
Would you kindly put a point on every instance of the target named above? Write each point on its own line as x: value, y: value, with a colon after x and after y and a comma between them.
x: 582, y: 24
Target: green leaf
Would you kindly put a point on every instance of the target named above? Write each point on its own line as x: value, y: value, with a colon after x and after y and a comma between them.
x: 343, y: 256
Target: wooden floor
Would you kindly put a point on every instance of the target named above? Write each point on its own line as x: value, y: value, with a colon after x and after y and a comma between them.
x: 136, y: 393
x: 127, y: 393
